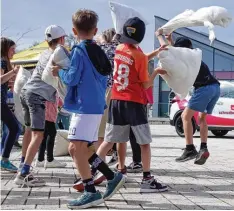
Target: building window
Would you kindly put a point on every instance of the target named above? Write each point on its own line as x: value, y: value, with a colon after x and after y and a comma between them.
x: 223, y: 61
x: 165, y: 87
x: 163, y: 99
x: 224, y: 65
x: 207, y: 54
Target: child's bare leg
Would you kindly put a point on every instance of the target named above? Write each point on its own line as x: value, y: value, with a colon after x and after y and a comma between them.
x: 104, y: 148
x: 33, y: 147
x: 146, y: 157
x: 121, y: 150
x: 98, y: 143
x: 25, y: 143
x: 79, y: 150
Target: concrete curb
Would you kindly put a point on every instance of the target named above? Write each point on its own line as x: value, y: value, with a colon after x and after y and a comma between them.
x: 159, y: 121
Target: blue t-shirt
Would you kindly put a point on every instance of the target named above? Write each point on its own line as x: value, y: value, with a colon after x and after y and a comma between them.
x: 4, y: 87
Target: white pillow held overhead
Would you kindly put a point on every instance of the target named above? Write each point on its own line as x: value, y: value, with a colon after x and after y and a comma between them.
x: 121, y: 13
x: 207, y: 16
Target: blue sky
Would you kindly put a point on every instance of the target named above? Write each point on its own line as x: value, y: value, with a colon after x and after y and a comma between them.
x: 22, y: 15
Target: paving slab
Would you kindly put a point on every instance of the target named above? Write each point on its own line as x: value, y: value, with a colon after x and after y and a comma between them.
x: 210, y: 186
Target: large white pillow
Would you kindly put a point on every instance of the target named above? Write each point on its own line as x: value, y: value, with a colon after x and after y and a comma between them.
x: 182, y: 66
x: 61, y: 143
x: 59, y: 57
x: 21, y: 79
x: 121, y: 13
x: 207, y: 16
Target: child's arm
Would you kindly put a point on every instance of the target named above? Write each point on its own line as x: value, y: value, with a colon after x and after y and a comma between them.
x: 4, y: 77
x: 169, y: 39
x: 155, y: 52
x: 159, y: 35
x: 150, y: 82
x: 142, y: 69
x: 70, y: 77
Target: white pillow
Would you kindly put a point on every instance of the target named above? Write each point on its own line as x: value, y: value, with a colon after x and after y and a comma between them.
x: 182, y: 66
x: 207, y: 16
x: 121, y: 13
x: 61, y: 143
x: 21, y: 79
x: 59, y: 57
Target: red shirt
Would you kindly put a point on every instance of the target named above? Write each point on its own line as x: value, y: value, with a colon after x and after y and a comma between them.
x: 130, y: 71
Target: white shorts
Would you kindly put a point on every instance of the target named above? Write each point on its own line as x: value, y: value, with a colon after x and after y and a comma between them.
x: 84, y: 127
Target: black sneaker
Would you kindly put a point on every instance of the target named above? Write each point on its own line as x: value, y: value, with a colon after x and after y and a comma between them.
x: 202, y: 156
x: 150, y: 185
x: 134, y: 168
x: 17, y: 144
x: 113, y: 160
x: 187, y: 155
x: 111, y: 152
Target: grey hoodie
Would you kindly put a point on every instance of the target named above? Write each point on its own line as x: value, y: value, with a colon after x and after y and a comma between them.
x: 36, y: 85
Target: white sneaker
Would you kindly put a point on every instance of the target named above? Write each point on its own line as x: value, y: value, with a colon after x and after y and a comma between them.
x: 39, y: 163
x: 28, y: 180
x: 54, y: 164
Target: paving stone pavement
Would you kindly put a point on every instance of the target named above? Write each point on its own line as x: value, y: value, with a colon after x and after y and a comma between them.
x: 210, y: 186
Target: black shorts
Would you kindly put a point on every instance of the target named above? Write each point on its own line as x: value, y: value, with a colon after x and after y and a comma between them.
x: 124, y: 115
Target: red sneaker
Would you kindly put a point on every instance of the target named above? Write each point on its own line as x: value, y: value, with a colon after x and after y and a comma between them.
x: 98, y: 178
x: 78, y: 185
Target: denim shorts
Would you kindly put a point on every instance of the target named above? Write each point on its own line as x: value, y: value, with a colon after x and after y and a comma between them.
x: 204, y: 98
x: 33, y: 106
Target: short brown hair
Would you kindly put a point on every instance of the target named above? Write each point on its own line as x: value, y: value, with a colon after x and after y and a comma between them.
x: 85, y: 20
x: 53, y: 42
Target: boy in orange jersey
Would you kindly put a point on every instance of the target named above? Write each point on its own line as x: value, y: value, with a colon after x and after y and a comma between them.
x: 128, y: 99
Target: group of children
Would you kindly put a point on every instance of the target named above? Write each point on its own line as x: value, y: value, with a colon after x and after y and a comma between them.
x: 86, y: 80
x: 92, y: 70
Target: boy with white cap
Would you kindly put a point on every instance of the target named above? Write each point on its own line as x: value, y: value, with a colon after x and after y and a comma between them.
x: 33, y: 97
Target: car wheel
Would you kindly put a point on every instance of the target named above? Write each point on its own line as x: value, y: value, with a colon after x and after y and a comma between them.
x: 179, y: 126
x: 219, y: 133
